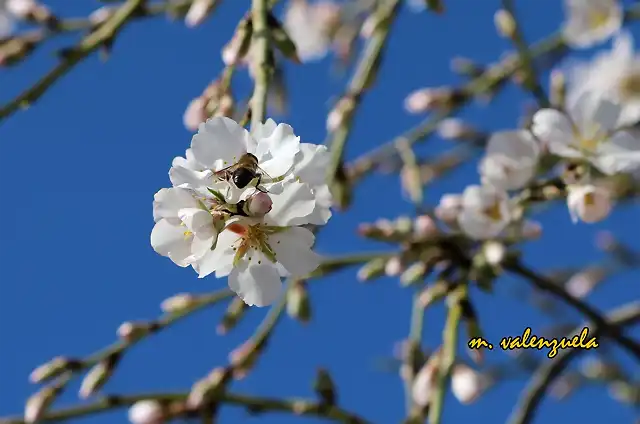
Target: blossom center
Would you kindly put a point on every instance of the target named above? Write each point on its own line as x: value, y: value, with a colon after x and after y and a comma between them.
x: 493, y: 211
x: 597, y: 18
x: 589, y: 199
x: 590, y: 138
x: 252, y: 238
x: 629, y: 86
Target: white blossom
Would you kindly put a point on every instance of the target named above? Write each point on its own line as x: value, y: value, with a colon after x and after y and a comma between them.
x: 590, y: 22
x: 309, y: 25
x: 485, y: 212
x: 589, y: 132
x: 185, y: 230
x: 511, y: 159
x: 256, y: 253
x: 614, y: 74
x: 466, y: 383
x: 588, y: 203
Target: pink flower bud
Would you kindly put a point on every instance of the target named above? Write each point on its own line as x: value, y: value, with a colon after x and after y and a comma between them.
x: 426, y: 99
x: 424, y: 227
x: 466, y: 384
x: 195, y: 114
x: 393, y: 267
x: 531, y: 230
x: 449, y: 207
x: 146, y: 412
x: 260, y: 204
x: 99, y: 16
x: 198, y: 12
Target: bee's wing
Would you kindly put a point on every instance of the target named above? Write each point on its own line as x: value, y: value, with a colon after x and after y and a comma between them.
x: 227, y: 170
x: 264, y: 173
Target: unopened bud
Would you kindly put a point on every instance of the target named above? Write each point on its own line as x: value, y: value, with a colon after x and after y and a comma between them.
x: 243, y: 358
x: 101, y: 15
x: 433, y: 293
x: 15, y: 49
x: 449, y: 207
x: 466, y: 383
x: 424, y: 227
x: 340, y: 113
x: 235, y: 311
x: 98, y: 376
x: 593, y: 368
x: 624, y: 392
x: 467, y: 67
x: 206, y: 389
x: 582, y: 283
x: 505, y: 23
x: 199, y: 11
x: 281, y: 39
x: 369, y: 26
x: 531, y: 230
x: 239, y: 45
x: 558, y: 89
x: 38, y: 404
x: 394, y: 266
x: 195, y: 114
x: 130, y: 331
x: 325, y: 388
x: 425, y: 382
x: 225, y: 106
x: 372, y: 269
x: 413, y: 274
x: 178, y: 303
x: 494, y: 252
x: 146, y: 412
x: 456, y: 129
x: 52, y: 369
x: 298, y: 303
x: 427, y: 99
x: 260, y: 204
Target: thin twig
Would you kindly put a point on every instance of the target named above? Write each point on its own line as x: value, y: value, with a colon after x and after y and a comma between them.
x: 261, y: 44
x: 524, y: 413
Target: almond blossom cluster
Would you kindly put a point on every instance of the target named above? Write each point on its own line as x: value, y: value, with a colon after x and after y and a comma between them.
x: 252, y: 234
x: 592, y: 134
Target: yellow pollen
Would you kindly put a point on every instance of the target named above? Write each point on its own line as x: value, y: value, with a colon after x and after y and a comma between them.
x: 187, y: 234
x: 629, y: 86
x: 589, y: 199
x: 494, y: 212
x: 598, y: 19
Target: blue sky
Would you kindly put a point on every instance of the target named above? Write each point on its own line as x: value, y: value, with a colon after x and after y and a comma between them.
x: 80, y: 168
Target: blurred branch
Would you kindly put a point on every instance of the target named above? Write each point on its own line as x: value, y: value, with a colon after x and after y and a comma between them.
x: 261, y: 43
x: 253, y: 404
x: 545, y: 375
x: 611, y: 330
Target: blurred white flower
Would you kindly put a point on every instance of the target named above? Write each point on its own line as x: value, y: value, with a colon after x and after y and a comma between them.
x: 309, y: 25
x: 485, y: 211
x: 146, y: 412
x: 466, y: 383
x: 590, y: 22
x: 185, y: 230
x: 255, y: 254
x: 615, y: 74
x: 588, y: 203
x: 449, y: 207
x: 494, y: 252
x: 510, y: 160
x: 589, y: 132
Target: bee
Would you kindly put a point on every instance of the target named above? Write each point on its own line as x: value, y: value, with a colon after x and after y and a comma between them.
x: 244, y: 172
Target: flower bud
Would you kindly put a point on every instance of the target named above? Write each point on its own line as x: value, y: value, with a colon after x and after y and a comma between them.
x: 466, y: 383
x: 449, y: 207
x: 38, y: 404
x: 98, y: 376
x: 425, y: 381
x: 205, y: 389
x: 581, y: 284
x: 588, y: 203
x: 146, y: 412
x: 558, y: 88
x: 369, y: 26
x: 195, y: 114
x: 100, y: 15
x: 624, y: 392
x: 433, y: 292
x: 235, y: 311
x: 340, y: 113
x: 238, y: 47
x: 130, y: 331
x: 427, y: 99
x: 414, y: 273
x: 244, y: 357
x: 394, y: 266
x: 178, y: 303
x: 372, y: 269
x: 424, y: 227
x: 494, y: 252
x: 456, y: 129
x: 52, y: 369
x: 325, y: 388
x: 531, y: 230
x: 298, y: 303
x: 225, y: 106
x: 259, y: 204
x: 199, y: 11
x: 505, y: 23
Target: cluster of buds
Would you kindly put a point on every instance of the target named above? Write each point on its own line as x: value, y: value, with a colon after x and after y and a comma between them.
x: 430, y: 99
x: 401, y: 229
x: 212, y: 102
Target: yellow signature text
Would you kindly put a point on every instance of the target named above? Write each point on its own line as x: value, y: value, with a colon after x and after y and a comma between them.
x: 529, y: 341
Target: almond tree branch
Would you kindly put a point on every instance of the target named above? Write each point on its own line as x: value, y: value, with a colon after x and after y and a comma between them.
x: 611, y: 330
x: 524, y: 413
x: 253, y: 404
x: 261, y: 44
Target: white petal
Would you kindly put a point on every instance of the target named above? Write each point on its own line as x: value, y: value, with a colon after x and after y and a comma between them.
x: 621, y: 153
x: 606, y: 114
x: 167, y: 202
x: 263, y: 130
x: 294, y: 253
x: 220, y: 259
x: 198, y: 221
x: 504, y: 173
x: 282, y: 146
x: 168, y: 239
x: 311, y: 164
x: 180, y: 175
x: 220, y: 142
x: 555, y: 129
x: 256, y: 284
x: 479, y: 227
x: 294, y: 204
x: 517, y: 145
x: 588, y: 203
